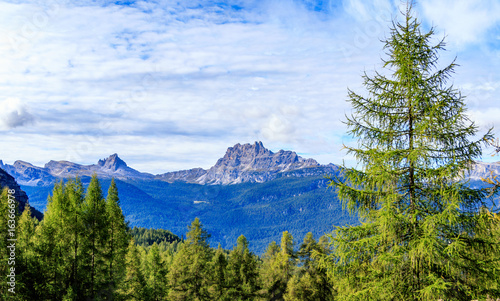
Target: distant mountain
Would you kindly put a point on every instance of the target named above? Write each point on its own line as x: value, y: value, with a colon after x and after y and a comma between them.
x: 484, y: 170
x: 253, y: 191
x: 242, y: 163
x: 249, y: 163
x: 30, y: 175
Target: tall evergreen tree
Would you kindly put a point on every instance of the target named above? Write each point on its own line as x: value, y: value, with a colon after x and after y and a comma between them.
x: 156, y: 276
x: 117, y: 237
x: 277, y: 268
x: 189, y: 274
x: 419, y: 217
x: 242, y: 272
x: 133, y: 285
x: 310, y: 281
x: 53, y: 246
x: 218, y: 282
x: 75, y: 193
x: 27, y: 267
x: 96, y: 233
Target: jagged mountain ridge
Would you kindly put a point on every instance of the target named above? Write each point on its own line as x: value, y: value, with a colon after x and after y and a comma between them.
x: 113, y: 167
x: 242, y: 163
x: 248, y: 163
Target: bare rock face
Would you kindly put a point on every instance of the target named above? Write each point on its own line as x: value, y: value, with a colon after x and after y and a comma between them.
x: 254, y: 163
x: 113, y: 163
x: 189, y: 176
x: 241, y: 163
x: 248, y: 163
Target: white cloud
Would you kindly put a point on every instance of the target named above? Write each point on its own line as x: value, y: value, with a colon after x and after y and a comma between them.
x: 464, y: 21
x: 14, y: 114
x: 180, y: 84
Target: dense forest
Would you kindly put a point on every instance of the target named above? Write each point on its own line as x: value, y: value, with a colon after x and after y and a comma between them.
x: 425, y: 233
x: 84, y: 250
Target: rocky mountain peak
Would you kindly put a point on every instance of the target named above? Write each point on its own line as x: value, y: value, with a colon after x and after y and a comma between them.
x: 112, y: 163
x: 243, y: 155
x: 253, y: 163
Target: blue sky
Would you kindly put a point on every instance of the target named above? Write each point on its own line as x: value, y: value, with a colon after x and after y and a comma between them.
x: 170, y: 85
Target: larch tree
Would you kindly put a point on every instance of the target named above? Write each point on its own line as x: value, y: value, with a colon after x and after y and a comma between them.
x: 310, y: 281
x: 189, y: 274
x: 156, y: 274
x: 277, y: 267
x: 242, y: 271
x: 53, y: 244
x: 133, y: 285
x: 420, y: 218
x: 27, y: 267
x: 95, y: 239
x: 218, y: 284
x: 117, y: 237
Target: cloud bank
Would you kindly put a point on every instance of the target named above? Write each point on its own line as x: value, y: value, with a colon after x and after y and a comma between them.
x: 170, y: 85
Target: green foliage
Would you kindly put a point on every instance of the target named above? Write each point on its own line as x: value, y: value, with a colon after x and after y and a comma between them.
x: 242, y: 272
x: 95, y: 240
x: 277, y: 267
x: 420, y: 234
x: 133, y: 286
x: 189, y: 276
x: 147, y: 237
x: 260, y: 211
x: 156, y: 274
x: 117, y: 240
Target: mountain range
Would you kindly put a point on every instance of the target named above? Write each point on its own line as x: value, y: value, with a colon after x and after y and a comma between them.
x: 241, y: 163
x: 250, y: 190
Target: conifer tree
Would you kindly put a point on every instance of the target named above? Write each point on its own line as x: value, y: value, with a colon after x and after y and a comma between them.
x: 218, y: 282
x: 133, y: 285
x: 189, y: 274
x: 419, y: 217
x: 278, y: 266
x: 53, y: 246
x: 118, y: 238
x: 27, y: 266
x: 156, y: 276
x: 74, y: 227
x: 96, y: 233
x: 242, y: 271
x: 310, y: 281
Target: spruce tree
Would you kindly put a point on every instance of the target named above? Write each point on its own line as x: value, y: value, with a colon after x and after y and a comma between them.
x: 310, y: 281
x: 75, y: 193
x: 419, y: 217
x: 53, y: 246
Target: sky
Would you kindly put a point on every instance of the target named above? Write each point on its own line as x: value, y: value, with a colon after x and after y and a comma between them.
x: 170, y: 85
